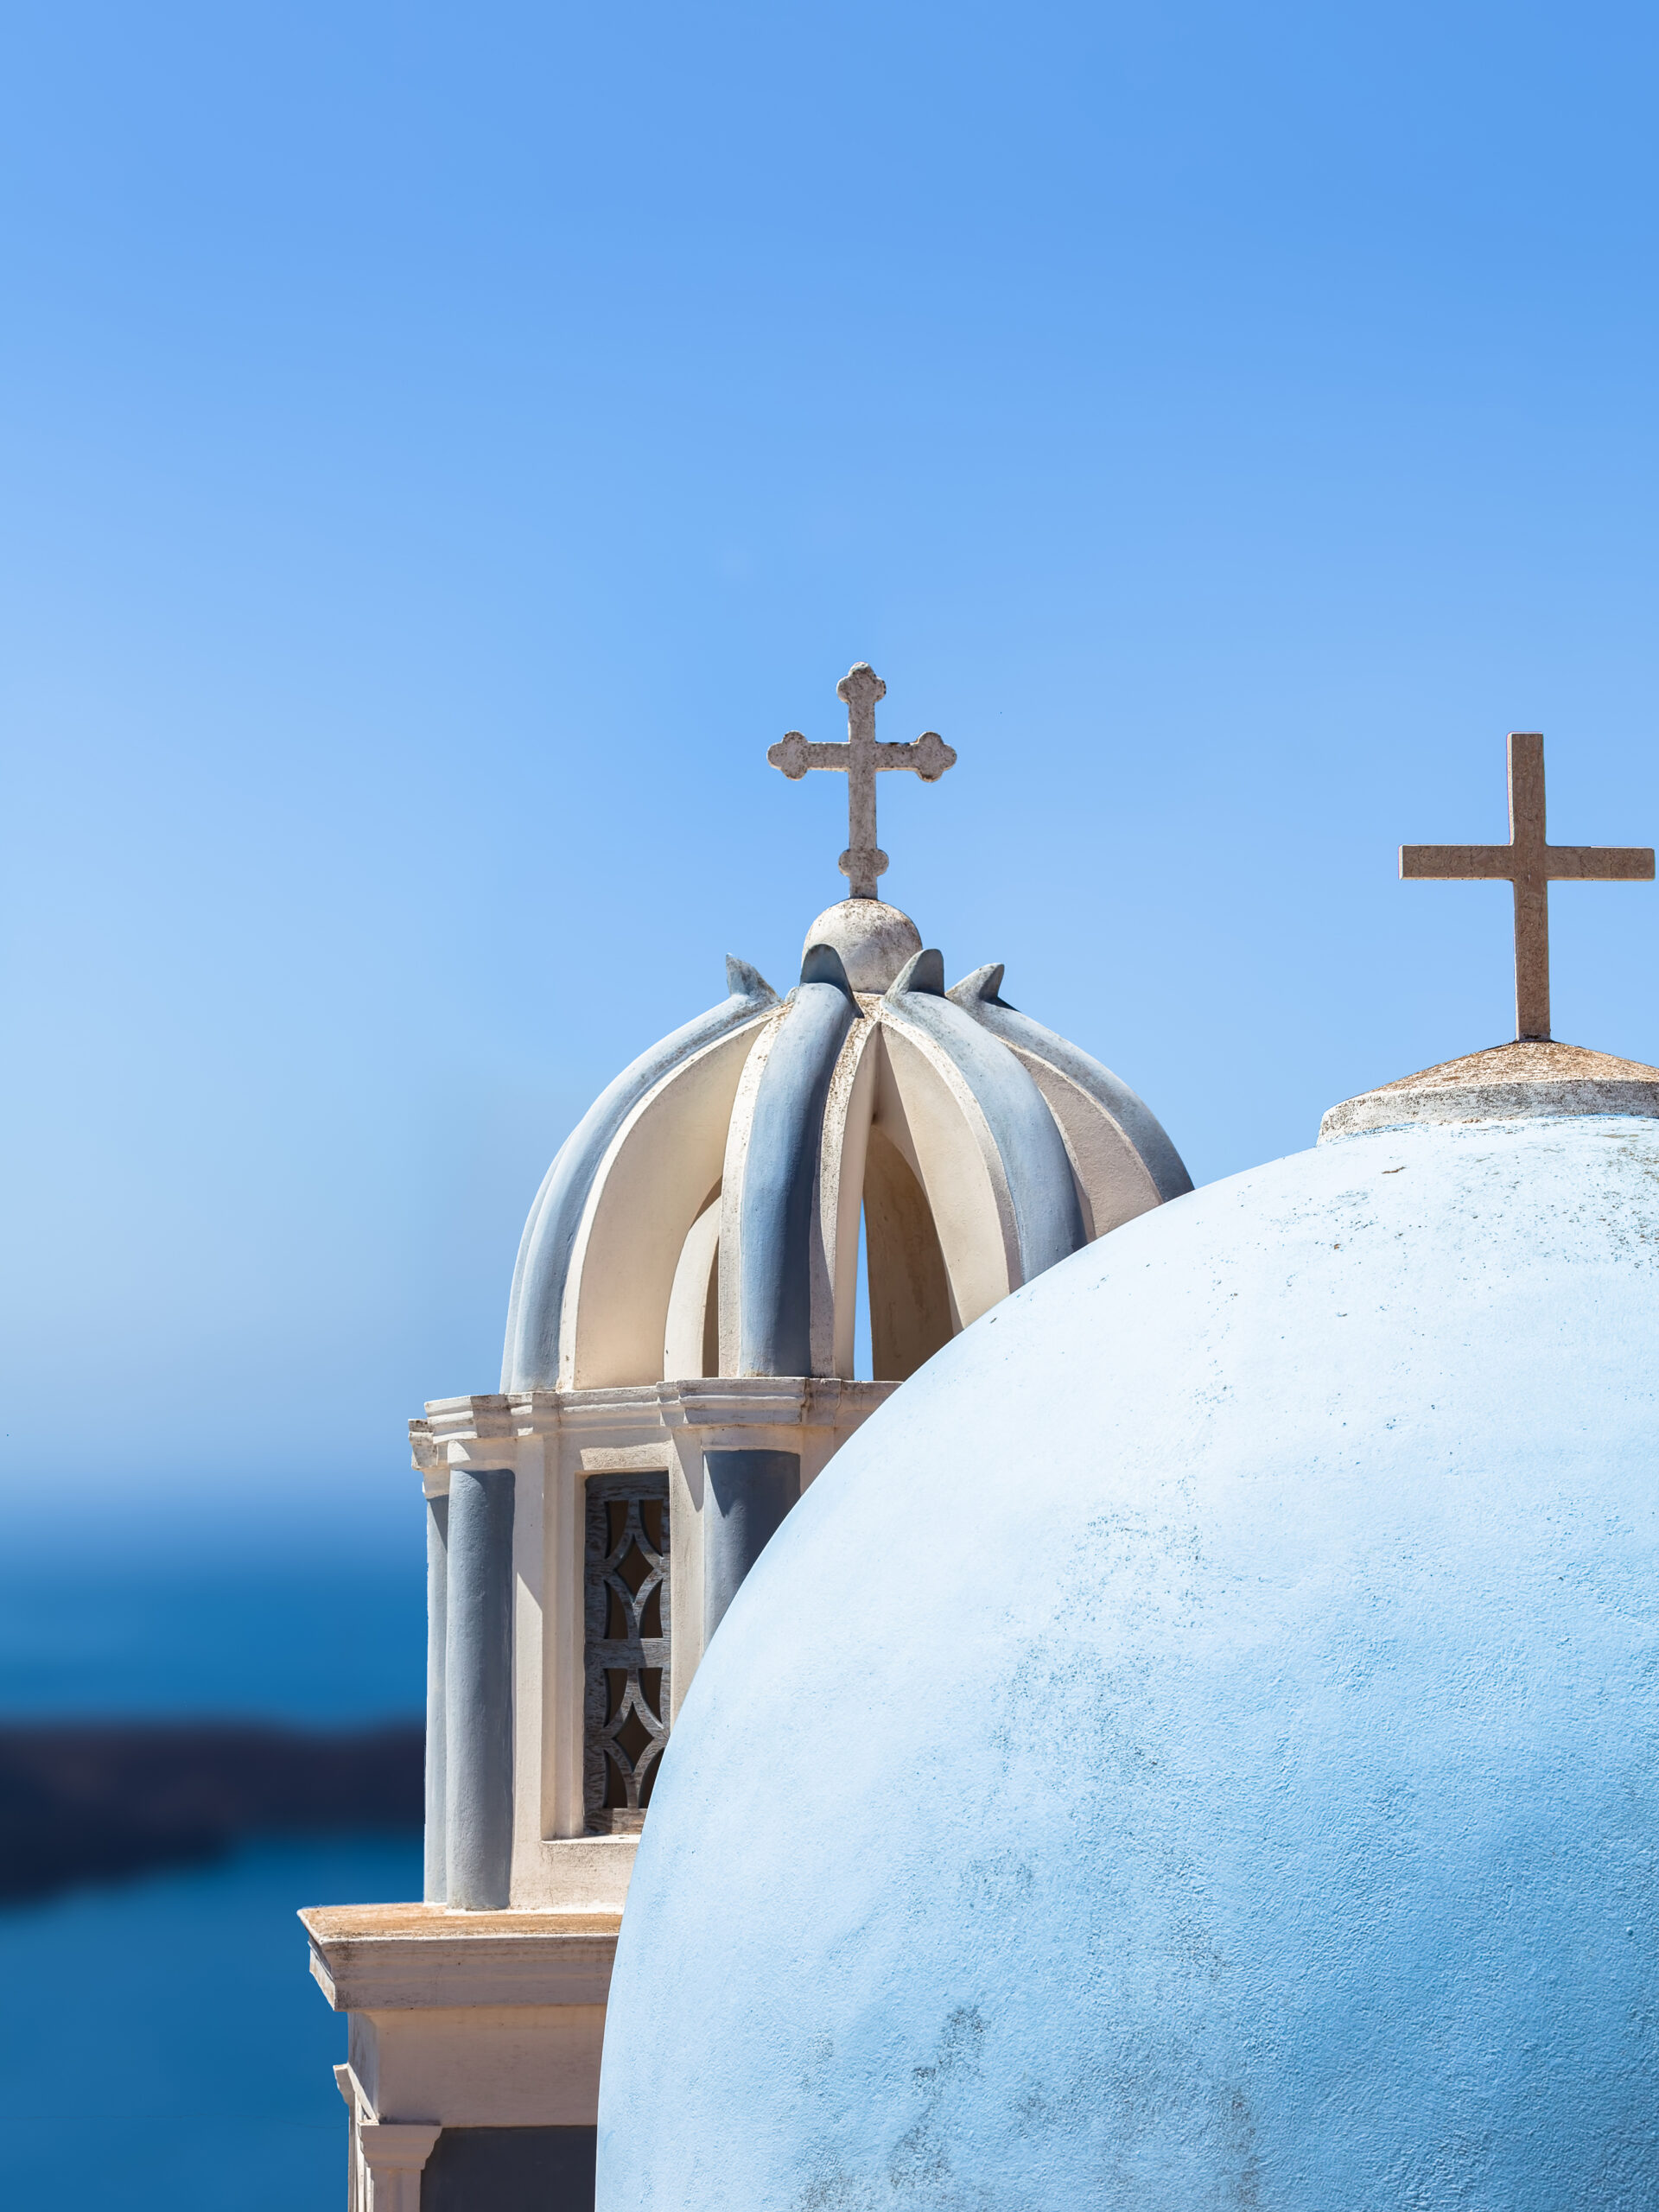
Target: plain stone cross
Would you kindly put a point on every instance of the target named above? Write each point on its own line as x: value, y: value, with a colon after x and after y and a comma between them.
x: 861, y: 760
x: 1530, y: 864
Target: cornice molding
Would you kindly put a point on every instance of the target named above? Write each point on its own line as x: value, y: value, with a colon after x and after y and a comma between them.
x: 704, y: 1401
x: 388, y: 1958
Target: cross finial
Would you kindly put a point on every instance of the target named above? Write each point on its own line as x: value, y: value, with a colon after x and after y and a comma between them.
x: 861, y: 759
x: 1531, y: 865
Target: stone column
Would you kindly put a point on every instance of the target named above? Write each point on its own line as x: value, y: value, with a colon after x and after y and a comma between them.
x: 394, y: 2153
x: 437, y: 1606
x: 746, y: 1495
x: 478, y: 1690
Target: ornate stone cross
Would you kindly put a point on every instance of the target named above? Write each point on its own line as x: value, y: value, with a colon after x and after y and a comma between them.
x: 861, y: 760
x: 1531, y: 865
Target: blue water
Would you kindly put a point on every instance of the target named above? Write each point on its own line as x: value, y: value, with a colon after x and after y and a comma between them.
x: 279, y: 1644
x: 162, y: 2046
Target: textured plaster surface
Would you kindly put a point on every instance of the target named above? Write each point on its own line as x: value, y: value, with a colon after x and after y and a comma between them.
x: 1196, y: 1745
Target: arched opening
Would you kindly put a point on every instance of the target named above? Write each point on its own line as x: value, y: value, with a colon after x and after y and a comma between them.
x: 909, y: 1291
x: 691, y: 1339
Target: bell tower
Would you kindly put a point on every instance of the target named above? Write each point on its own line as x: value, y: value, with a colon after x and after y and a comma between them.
x: 678, y: 1370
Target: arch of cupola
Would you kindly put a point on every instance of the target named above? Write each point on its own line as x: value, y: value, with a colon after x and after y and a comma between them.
x: 536, y: 1306
x: 963, y: 1147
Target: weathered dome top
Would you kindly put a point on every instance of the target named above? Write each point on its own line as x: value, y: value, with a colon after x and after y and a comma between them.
x: 1230, y: 1779
x: 874, y: 940
x: 704, y: 1217
x: 1530, y: 1078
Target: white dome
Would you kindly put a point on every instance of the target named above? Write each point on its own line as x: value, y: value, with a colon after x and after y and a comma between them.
x: 1195, y: 1744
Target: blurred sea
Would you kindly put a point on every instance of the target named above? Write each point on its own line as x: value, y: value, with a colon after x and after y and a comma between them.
x: 162, y: 2044
x: 282, y: 1643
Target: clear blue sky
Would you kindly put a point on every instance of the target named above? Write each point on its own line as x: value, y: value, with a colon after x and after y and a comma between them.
x: 440, y: 448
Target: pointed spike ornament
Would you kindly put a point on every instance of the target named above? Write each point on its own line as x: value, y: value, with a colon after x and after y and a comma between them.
x: 983, y: 987
x: 861, y: 760
x: 924, y: 972
x: 743, y: 981
x: 822, y: 964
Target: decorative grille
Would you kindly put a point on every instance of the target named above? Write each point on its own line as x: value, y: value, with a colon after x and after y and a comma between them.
x: 628, y: 1629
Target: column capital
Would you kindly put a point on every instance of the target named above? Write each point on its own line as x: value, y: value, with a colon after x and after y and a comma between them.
x: 394, y: 2153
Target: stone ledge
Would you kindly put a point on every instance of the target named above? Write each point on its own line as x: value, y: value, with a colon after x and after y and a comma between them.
x: 1529, y: 1080
x: 371, y: 1958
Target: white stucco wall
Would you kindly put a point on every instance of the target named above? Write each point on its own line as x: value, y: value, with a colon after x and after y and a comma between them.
x: 1196, y: 1745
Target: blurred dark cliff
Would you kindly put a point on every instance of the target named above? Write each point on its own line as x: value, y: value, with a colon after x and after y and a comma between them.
x: 90, y: 1800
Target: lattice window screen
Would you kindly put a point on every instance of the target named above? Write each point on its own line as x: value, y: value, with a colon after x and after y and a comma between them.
x: 628, y: 1630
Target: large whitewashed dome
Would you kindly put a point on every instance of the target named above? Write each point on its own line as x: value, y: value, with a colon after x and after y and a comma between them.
x: 1195, y: 1747
x: 704, y: 1217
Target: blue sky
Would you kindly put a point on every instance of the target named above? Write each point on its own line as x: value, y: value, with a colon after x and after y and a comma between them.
x: 440, y: 449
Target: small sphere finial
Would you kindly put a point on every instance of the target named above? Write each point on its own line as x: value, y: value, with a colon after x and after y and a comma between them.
x: 874, y: 941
